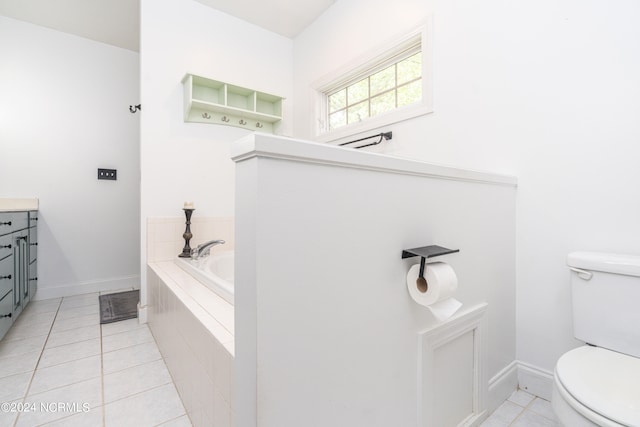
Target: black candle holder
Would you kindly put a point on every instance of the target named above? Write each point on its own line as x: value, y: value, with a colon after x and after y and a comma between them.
x: 186, y: 251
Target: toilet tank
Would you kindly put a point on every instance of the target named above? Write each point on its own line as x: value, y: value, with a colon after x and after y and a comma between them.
x: 605, y: 290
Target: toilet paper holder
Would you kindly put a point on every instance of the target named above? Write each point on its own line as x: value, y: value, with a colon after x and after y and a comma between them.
x: 427, y: 252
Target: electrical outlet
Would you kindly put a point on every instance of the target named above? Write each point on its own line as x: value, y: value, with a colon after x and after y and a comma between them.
x: 111, y: 174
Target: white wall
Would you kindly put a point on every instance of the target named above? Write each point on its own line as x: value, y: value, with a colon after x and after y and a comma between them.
x: 545, y: 91
x: 63, y: 114
x: 190, y: 161
x: 326, y: 332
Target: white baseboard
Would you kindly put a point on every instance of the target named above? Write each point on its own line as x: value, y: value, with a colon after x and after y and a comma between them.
x: 113, y: 284
x: 534, y: 380
x: 517, y: 374
x: 502, y: 385
x: 142, y: 313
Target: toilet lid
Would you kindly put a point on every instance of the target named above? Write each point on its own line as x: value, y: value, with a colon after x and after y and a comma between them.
x: 604, y: 381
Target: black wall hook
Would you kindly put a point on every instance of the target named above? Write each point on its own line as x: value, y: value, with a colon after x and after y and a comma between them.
x: 135, y: 108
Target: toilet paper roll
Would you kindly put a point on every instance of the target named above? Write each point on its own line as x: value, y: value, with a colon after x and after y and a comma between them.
x: 442, y: 283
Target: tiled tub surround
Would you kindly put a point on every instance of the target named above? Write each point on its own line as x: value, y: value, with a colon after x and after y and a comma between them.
x: 193, y: 326
x: 164, y: 235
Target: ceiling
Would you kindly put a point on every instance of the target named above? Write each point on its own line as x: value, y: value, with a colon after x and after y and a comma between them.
x: 285, y: 17
x: 117, y: 22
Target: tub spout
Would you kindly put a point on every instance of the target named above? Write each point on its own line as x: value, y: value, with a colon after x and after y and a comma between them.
x: 204, y: 249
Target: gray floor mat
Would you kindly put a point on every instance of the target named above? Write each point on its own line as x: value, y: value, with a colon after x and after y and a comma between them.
x: 119, y: 306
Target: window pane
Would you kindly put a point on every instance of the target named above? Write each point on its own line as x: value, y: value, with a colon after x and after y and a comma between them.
x: 338, y: 100
x: 337, y: 119
x: 383, y: 103
x: 410, y: 68
x: 358, y: 112
x: 358, y: 91
x: 383, y: 80
x: 410, y: 93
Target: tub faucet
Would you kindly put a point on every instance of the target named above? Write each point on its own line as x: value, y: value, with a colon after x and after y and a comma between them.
x: 204, y: 249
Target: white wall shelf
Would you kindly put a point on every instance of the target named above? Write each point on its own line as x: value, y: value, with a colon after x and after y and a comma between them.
x: 213, y: 101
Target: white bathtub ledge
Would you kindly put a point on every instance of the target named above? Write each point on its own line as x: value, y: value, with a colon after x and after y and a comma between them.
x: 184, y: 289
x: 211, y: 302
x: 278, y: 147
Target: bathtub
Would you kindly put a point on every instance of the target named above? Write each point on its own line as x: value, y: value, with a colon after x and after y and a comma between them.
x: 215, y: 272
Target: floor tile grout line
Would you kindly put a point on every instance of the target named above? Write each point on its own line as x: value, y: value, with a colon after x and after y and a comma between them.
x: 170, y: 382
x: 133, y: 366
x: 73, y: 342
x: 103, y: 409
x: 35, y: 368
x: 524, y: 410
x: 65, y: 385
x: 172, y: 419
x: 538, y: 413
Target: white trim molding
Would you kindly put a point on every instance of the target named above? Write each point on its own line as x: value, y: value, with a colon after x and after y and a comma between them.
x: 472, y: 321
x: 282, y: 148
x: 502, y: 385
x: 366, y: 63
x: 535, y: 380
x: 519, y: 375
x: 113, y: 284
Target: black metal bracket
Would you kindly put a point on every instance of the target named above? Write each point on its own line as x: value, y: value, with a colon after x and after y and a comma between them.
x: 426, y: 252
x: 134, y: 108
x: 383, y: 135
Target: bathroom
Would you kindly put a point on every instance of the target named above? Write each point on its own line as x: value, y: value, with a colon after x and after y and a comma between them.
x: 544, y: 92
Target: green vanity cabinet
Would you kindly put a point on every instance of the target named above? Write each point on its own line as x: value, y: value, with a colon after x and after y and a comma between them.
x: 18, y: 265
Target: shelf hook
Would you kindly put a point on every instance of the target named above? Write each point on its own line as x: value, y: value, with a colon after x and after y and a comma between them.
x: 259, y: 125
x: 206, y: 116
x: 242, y: 122
x: 133, y: 109
x: 225, y: 119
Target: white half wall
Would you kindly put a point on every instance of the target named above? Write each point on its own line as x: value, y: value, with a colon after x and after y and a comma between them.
x: 546, y: 91
x: 64, y: 113
x: 325, y: 327
x: 190, y: 161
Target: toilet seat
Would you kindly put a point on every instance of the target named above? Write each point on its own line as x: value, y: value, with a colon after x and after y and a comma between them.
x: 602, y: 385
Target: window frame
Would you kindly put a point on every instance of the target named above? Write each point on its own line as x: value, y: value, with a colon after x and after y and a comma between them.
x: 390, y: 53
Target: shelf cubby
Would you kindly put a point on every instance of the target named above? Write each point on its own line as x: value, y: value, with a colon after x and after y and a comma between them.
x: 213, y: 101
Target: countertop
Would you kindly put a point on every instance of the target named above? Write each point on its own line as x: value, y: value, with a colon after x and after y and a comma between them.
x: 16, y: 205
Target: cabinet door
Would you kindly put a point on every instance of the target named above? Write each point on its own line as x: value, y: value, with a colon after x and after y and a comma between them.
x: 24, y: 268
x: 33, y: 243
x: 20, y: 270
x: 33, y: 253
x: 6, y: 316
x: 33, y: 279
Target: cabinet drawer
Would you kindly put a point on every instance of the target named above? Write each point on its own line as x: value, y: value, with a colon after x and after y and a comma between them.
x: 6, y: 318
x: 12, y: 221
x: 6, y: 248
x: 33, y: 244
x: 33, y: 274
x: 6, y: 275
x: 33, y: 218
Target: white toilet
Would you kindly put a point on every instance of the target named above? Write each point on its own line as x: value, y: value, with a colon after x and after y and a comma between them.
x: 599, y: 384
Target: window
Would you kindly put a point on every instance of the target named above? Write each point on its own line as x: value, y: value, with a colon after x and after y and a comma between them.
x: 395, y: 86
x: 387, y: 86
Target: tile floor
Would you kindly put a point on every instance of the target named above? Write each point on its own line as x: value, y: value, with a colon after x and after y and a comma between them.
x: 62, y: 368
x: 522, y: 409
x: 68, y: 370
